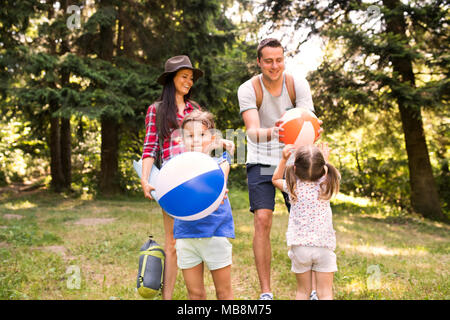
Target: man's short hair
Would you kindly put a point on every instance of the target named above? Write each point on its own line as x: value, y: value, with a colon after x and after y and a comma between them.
x: 268, y: 42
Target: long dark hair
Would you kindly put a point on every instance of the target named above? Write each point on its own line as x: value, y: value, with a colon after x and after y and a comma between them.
x: 166, y: 115
x: 310, y: 166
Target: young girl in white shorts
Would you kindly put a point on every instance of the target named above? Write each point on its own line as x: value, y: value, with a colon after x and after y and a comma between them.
x: 310, y: 183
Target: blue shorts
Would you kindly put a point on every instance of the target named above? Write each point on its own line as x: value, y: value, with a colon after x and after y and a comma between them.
x: 261, y: 191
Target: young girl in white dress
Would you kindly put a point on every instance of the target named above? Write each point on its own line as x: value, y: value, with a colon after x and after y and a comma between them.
x: 310, y: 183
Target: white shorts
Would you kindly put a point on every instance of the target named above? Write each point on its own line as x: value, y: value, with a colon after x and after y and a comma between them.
x: 214, y: 251
x: 312, y: 258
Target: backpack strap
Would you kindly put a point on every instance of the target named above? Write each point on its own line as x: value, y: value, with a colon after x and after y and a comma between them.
x: 258, y: 91
x: 290, y: 88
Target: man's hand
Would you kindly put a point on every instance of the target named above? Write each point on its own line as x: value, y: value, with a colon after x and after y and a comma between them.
x: 320, y: 129
x: 277, y: 131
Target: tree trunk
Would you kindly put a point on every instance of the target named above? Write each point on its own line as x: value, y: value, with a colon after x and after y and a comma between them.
x: 66, y: 152
x: 424, y: 194
x: 66, y: 141
x: 56, y: 168
x: 56, y: 171
x: 109, y: 175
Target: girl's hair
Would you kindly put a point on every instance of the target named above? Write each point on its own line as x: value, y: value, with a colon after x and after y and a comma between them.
x: 309, y: 165
x: 205, y: 117
x: 166, y: 114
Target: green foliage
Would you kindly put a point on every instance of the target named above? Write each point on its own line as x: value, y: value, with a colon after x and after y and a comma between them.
x: 20, y: 155
x: 362, y: 80
x: 58, y: 72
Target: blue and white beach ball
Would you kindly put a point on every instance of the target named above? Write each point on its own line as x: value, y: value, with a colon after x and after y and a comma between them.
x: 190, y: 186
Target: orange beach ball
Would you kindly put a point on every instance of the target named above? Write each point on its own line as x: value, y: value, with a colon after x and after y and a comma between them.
x: 301, y: 127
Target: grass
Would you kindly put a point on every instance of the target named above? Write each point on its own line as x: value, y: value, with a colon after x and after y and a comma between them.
x: 382, y: 254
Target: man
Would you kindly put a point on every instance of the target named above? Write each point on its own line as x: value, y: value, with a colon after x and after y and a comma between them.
x: 261, y: 117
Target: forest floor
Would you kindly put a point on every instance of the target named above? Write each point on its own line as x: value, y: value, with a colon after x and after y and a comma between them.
x: 48, y: 241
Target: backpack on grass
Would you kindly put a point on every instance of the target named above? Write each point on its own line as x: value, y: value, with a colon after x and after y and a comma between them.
x: 151, y: 269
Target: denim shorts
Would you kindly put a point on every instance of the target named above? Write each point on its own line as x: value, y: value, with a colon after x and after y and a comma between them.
x: 261, y: 191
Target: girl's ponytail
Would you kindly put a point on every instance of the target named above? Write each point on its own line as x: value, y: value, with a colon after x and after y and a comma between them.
x: 330, y: 186
x: 291, y: 182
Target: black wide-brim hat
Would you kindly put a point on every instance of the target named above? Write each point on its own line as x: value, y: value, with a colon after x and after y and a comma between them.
x: 176, y: 63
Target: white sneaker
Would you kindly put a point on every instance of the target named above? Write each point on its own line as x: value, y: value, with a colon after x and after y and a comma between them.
x: 266, y: 296
x: 313, y: 295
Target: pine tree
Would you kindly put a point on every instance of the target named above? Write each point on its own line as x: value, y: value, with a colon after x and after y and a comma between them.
x: 149, y: 32
x: 106, y: 72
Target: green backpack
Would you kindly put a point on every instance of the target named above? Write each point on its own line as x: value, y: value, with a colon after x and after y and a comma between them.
x: 151, y: 269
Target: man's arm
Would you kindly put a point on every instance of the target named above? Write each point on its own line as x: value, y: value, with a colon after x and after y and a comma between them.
x: 254, y: 131
x: 249, y: 112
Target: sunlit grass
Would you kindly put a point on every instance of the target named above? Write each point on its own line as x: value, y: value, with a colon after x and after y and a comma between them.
x: 20, y: 205
x: 384, y: 251
x: 357, y: 201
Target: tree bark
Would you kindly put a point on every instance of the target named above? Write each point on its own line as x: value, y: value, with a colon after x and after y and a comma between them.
x: 66, y: 139
x: 66, y: 152
x: 56, y: 171
x: 109, y: 175
x: 424, y: 194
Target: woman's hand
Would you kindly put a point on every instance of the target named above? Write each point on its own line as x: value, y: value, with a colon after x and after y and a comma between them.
x: 147, y: 188
x: 147, y: 164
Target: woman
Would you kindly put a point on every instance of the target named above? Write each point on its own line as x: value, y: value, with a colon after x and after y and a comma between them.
x: 163, y: 117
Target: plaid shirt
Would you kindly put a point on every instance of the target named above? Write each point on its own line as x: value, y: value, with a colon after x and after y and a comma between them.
x: 172, y: 145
